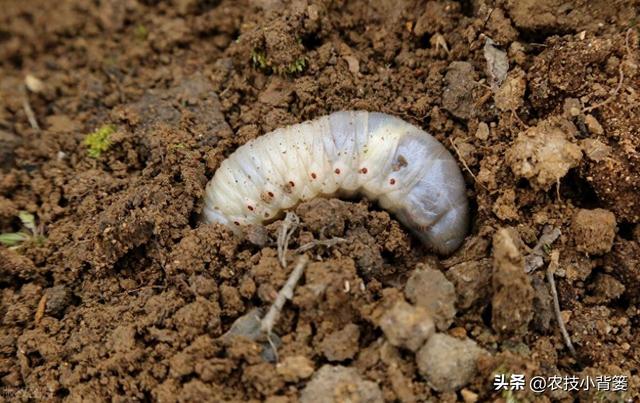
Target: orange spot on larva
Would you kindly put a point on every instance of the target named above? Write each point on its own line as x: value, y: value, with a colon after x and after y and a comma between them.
x: 392, y: 181
x: 337, y: 171
x: 266, y: 197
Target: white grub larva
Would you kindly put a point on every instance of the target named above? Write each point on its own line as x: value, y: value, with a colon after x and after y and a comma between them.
x: 382, y: 157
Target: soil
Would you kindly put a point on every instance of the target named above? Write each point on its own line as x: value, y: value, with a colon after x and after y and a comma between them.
x: 124, y: 294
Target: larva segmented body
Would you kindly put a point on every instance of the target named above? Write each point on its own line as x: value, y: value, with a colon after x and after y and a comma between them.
x: 404, y: 168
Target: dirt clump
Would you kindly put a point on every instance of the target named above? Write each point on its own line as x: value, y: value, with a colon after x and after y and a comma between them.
x: 341, y: 344
x: 461, y: 95
x: 295, y: 368
x: 448, y: 363
x: 594, y: 230
x: 472, y: 281
x: 545, y: 153
x: 407, y: 326
x: 510, y: 283
x: 430, y: 289
x: 338, y: 384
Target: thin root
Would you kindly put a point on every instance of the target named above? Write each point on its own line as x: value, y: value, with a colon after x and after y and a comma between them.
x: 326, y: 242
x: 464, y: 163
x: 535, y: 259
x: 29, y: 112
x: 618, y: 87
x: 553, y: 265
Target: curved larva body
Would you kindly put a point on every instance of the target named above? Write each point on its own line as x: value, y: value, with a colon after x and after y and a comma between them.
x: 405, y: 169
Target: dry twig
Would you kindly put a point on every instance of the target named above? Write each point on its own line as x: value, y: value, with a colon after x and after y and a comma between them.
x: 325, y: 242
x: 618, y: 87
x: 29, y: 111
x: 535, y: 259
x: 553, y: 265
x: 464, y: 163
x: 289, y: 225
x: 285, y: 293
x: 41, y: 308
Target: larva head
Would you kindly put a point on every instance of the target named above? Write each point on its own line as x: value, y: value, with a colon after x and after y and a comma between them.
x: 435, y: 208
x: 448, y: 232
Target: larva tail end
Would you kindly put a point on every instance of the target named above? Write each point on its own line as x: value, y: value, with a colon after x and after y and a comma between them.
x: 210, y: 215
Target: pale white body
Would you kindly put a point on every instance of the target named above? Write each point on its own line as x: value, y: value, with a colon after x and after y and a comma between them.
x: 404, y: 168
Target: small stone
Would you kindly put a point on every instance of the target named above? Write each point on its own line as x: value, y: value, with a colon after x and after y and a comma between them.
x: 594, y: 231
x: 593, y: 125
x: 429, y: 288
x: 294, y: 368
x: 34, y: 84
x: 469, y: 396
x: 595, y: 150
x: 472, y: 281
x: 461, y: 85
x: 571, y: 108
x: 342, y: 344
x: 58, y: 298
x: 333, y: 384
x: 406, y: 325
x: 353, y: 63
x: 482, y: 133
x: 510, y: 95
x: 448, y: 363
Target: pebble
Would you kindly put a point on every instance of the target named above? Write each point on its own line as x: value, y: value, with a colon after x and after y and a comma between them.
x: 448, y: 363
x: 58, y: 298
x: 593, y: 125
x: 407, y: 326
x: 429, y: 288
x: 472, y: 281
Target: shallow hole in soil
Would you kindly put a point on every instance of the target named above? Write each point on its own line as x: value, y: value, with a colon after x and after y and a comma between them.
x: 311, y: 41
x: 574, y: 187
x: 486, y: 315
x: 625, y: 230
